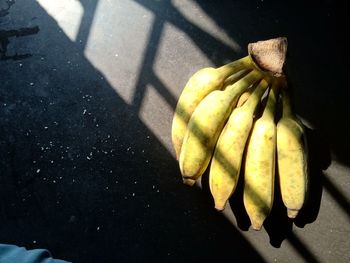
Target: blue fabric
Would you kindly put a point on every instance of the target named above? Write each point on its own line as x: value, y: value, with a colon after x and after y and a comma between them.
x: 15, y: 254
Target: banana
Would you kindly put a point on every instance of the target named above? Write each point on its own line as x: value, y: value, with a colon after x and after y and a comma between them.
x: 259, y: 169
x: 206, y: 124
x: 244, y: 97
x: 226, y: 162
x: 291, y: 159
x: 199, y: 86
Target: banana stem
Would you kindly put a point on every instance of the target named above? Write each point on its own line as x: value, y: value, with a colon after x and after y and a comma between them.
x: 232, y: 79
x: 254, y: 99
x: 226, y: 70
x: 286, y: 103
x: 269, y: 110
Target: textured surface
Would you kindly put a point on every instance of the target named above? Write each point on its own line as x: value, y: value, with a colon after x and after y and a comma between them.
x: 87, y: 93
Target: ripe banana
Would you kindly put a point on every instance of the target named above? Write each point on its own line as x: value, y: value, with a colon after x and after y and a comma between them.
x: 259, y: 172
x: 205, y: 125
x: 226, y: 162
x: 291, y: 159
x: 199, y: 86
x: 244, y: 97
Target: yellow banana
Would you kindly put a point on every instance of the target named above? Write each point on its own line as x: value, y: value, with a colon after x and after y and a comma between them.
x: 199, y: 86
x: 291, y: 159
x: 206, y: 124
x: 226, y: 162
x: 244, y: 97
x: 259, y: 170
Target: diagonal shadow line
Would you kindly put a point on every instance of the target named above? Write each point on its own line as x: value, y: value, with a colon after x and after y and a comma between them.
x: 302, y: 248
x: 196, y: 34
x: 337, y: 195
x: 193, y: 31
x: 86, y: 21
x: 147, y: 63
x: 146, y: 73
x: 160, y: 87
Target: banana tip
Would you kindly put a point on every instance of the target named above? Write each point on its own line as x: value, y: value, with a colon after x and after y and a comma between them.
x: 256, y: 227
x: 292, y: 213
x: 219, y: 207
x: 188, y: 181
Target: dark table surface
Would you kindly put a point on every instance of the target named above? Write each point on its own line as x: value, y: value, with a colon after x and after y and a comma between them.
x: 87, y: 94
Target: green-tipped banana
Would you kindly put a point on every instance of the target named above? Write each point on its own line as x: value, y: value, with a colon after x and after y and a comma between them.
x: 206, y: 124
x: 226, y: 162
x: 291, y: 159
x: 198, y: 87
x: 259, y: 170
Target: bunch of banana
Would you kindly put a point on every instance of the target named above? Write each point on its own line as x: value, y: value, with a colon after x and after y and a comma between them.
x: 217, y: 126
